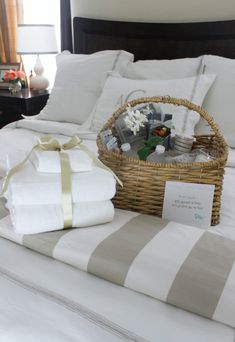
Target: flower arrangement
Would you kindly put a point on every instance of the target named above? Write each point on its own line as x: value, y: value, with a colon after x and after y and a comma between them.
x: 15, y: 78
x: 134, y: 120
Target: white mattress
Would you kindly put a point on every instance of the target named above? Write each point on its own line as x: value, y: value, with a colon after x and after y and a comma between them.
x: 45, y: 300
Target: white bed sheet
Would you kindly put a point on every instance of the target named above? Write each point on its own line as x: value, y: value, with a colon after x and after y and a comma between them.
x: 142, y: 316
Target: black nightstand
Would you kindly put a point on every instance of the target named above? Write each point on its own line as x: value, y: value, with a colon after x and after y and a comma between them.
x: 26, y: 102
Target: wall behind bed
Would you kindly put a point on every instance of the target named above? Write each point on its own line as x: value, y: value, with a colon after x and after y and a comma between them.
x: 155, y: 10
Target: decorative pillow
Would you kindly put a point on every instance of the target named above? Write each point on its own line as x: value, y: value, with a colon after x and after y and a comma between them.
x: 219, y: 101
x: 163, y: 69
x: 119, y: 90
x: 78, y: 84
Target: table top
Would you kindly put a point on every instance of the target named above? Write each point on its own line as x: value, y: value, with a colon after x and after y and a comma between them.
x: 25, y: 93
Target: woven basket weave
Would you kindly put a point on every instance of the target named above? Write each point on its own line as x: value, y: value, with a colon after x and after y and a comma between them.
x: 144, y: 182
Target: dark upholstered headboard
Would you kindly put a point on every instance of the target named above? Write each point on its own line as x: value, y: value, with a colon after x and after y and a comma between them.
x: 155, y: 40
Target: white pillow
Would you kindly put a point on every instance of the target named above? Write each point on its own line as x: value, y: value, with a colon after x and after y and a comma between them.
x: 118, y: 90
x: 64, y: 55
x: 67, y: 56
x: 78, y: 84
x: 215, y: 58
x: 163, y: 69
x: 219, y: 101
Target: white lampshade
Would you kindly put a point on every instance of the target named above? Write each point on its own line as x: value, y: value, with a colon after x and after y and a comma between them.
x: 36, y: 39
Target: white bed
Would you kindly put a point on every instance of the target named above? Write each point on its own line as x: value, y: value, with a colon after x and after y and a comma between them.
x: 43, y: 299
x: 46, y: 299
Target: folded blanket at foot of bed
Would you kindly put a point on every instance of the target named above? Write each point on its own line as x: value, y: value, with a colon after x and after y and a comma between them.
x: 178, y: 264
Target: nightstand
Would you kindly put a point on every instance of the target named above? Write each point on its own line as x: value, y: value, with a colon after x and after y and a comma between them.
x: 26, y: 102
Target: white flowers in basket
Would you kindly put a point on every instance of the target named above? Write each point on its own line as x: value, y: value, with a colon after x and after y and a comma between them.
x: 134, y: 120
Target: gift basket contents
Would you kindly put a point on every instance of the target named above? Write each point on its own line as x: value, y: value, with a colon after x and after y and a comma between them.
x: 145, y: 133
x: 141, y: 145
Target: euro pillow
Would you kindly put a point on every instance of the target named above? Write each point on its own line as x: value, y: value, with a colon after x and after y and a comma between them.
x: 219, y: 101
x: 163, y: 69
x: 118, y: 90
x: 215, y: 58
x: 78, y: 85
x: 67, y: 56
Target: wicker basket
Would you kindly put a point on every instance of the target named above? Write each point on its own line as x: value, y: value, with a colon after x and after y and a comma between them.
x: 144, y: 182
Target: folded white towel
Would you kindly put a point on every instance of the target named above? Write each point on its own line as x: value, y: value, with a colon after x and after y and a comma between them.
x: 28, y: 186
x: 49, y: 161
x: 34, y: 219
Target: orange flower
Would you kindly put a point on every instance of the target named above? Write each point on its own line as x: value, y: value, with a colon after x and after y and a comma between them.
x: 13, y: 76
x: 21, y: 75
x: 6, y: 76
x: 10, y: 75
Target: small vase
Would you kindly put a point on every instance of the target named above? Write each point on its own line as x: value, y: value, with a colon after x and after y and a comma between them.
x: 15, y: 87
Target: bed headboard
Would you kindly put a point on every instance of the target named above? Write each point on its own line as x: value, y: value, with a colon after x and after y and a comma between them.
x: 155, y: 40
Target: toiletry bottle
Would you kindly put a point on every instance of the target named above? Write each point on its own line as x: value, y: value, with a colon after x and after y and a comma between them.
x: 158, y: 156
x: 128, y: 151
x: 30, y: 78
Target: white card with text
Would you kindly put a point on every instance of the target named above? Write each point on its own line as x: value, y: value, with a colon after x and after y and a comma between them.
x: 188, y: 203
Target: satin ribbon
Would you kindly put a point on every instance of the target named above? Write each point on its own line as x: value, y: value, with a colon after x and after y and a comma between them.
x: 47, y: 143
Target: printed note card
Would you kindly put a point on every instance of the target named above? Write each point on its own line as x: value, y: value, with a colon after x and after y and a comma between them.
x: 188, y: 203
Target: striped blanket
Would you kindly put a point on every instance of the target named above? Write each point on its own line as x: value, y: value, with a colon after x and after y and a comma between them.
x: 178, y: 264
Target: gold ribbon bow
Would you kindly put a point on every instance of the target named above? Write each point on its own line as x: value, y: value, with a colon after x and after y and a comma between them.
x: 47, y: 143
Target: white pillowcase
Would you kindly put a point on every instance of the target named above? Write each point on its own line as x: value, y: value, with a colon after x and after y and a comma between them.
x: 163, y: 69
x: 67, y: 56
x: 118, y: 90
x: 215, y: 58
x: 219, y: 101
x: 78, y: 84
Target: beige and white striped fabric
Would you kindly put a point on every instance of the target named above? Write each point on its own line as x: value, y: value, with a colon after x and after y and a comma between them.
x: 178, y: 264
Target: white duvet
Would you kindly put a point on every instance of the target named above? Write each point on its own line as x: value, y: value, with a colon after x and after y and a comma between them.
x: 113, y: 313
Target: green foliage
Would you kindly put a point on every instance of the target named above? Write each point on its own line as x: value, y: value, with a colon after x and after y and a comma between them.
x: 149, y: 147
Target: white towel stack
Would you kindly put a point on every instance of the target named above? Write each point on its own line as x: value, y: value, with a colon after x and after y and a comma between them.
x: 35, y: 198
x: 49, y: 161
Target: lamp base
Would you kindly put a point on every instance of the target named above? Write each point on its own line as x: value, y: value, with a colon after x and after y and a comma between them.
x: 39, y: 82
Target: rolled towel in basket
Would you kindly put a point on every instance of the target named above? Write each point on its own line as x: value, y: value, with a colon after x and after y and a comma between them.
x: 49, y: 161
x: 32, y: 219
x: 28, y: 186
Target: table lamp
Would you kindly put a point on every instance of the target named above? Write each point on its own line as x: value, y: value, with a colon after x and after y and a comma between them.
x: 36, y: 40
